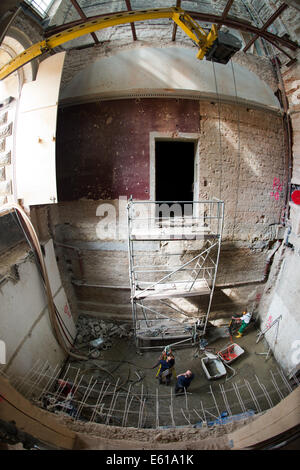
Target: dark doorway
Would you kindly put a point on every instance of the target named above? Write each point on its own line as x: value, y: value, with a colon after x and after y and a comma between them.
x: 174, y: 170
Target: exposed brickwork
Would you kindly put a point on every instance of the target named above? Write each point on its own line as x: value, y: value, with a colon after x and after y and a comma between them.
x: 5, y: 159
x: 2, y: 145
x: 251, y: 147
x: 3, y: 118
x: 115, y: 143
x: 252, y: 150
x: 5, y: 131
x: 2, y: 174
x: 239, y: 166
x: 30, y: 27
x: 5, y: 188
x: 290, y: 19
x: 6, y: 118
x: 291, y: 78
x: 66, y: 13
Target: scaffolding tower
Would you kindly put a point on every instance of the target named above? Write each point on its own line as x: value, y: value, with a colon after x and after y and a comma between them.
x: 174, y: 249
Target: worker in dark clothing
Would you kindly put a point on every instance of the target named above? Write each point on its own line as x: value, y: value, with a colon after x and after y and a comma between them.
x: 65, y: 388
x: 183, y: 381
x: 166, y: 363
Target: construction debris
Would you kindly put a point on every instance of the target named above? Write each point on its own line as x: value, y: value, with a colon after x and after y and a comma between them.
x: 98, y: 334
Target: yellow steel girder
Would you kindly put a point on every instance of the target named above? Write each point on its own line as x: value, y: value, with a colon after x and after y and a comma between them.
x: 184, y: 21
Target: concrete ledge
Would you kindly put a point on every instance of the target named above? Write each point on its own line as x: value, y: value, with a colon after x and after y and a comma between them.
x: 279, y: 419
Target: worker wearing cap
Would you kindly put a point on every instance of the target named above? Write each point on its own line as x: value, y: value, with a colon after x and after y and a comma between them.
x: 166, y: 364
x: 183, y: 381
x: 245, y: 319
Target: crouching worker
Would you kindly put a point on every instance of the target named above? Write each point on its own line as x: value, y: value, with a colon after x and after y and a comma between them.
x: 245, y: 320
x: 166, y: 364
x: 183, y: 382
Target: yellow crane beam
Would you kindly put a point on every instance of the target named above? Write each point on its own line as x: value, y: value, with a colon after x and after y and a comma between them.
x: 203, y: 40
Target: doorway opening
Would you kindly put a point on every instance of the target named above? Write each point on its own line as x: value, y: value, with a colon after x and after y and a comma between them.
x: 174, y: 174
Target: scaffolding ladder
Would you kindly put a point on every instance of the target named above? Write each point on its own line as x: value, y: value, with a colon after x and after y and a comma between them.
x: 174, y: 249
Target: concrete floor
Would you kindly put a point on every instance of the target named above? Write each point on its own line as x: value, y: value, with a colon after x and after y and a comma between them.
x: 158, y: 406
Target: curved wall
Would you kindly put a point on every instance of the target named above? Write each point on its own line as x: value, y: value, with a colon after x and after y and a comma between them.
x: 166, y: 72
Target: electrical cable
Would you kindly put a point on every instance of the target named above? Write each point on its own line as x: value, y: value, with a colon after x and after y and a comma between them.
x: 58, y: 316
x: 62, y: 327
x: 33, y: 236
x: 19, y: 223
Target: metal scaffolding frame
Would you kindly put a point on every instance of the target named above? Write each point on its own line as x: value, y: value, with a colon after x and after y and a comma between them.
x: 199, y: 235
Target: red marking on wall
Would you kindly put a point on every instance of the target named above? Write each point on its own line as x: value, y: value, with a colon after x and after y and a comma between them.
x: 269, y: 321
x: 67, y: 311
x: 1, y: 398
x: 278, y: 186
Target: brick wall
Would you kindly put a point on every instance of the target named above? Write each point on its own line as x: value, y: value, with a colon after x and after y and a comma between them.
x: 7, y: 115
x: 103, y: 153
x: 95, y: 146
x: 252, y: 150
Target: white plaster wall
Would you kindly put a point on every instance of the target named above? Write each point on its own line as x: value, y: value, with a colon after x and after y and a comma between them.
x: 166, y: 71
x: 24, y: 319
x: 288, y: 334
x: 285, y: 301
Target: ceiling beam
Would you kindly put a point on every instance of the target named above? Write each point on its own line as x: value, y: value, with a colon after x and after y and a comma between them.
x: 204, y: 17
x: 84, y: 17
x: 133, y: 30
x: 178, y: 4
x: 225, y: 12
x: 271, y: 20
x: 243, y: 26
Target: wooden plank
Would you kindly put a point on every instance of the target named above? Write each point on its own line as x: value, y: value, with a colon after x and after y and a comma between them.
x: 167, y: 291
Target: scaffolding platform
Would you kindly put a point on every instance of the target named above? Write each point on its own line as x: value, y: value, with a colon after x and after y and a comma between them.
x: 166, y: 291
x: 163, y: 234
x: 182, y: 264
